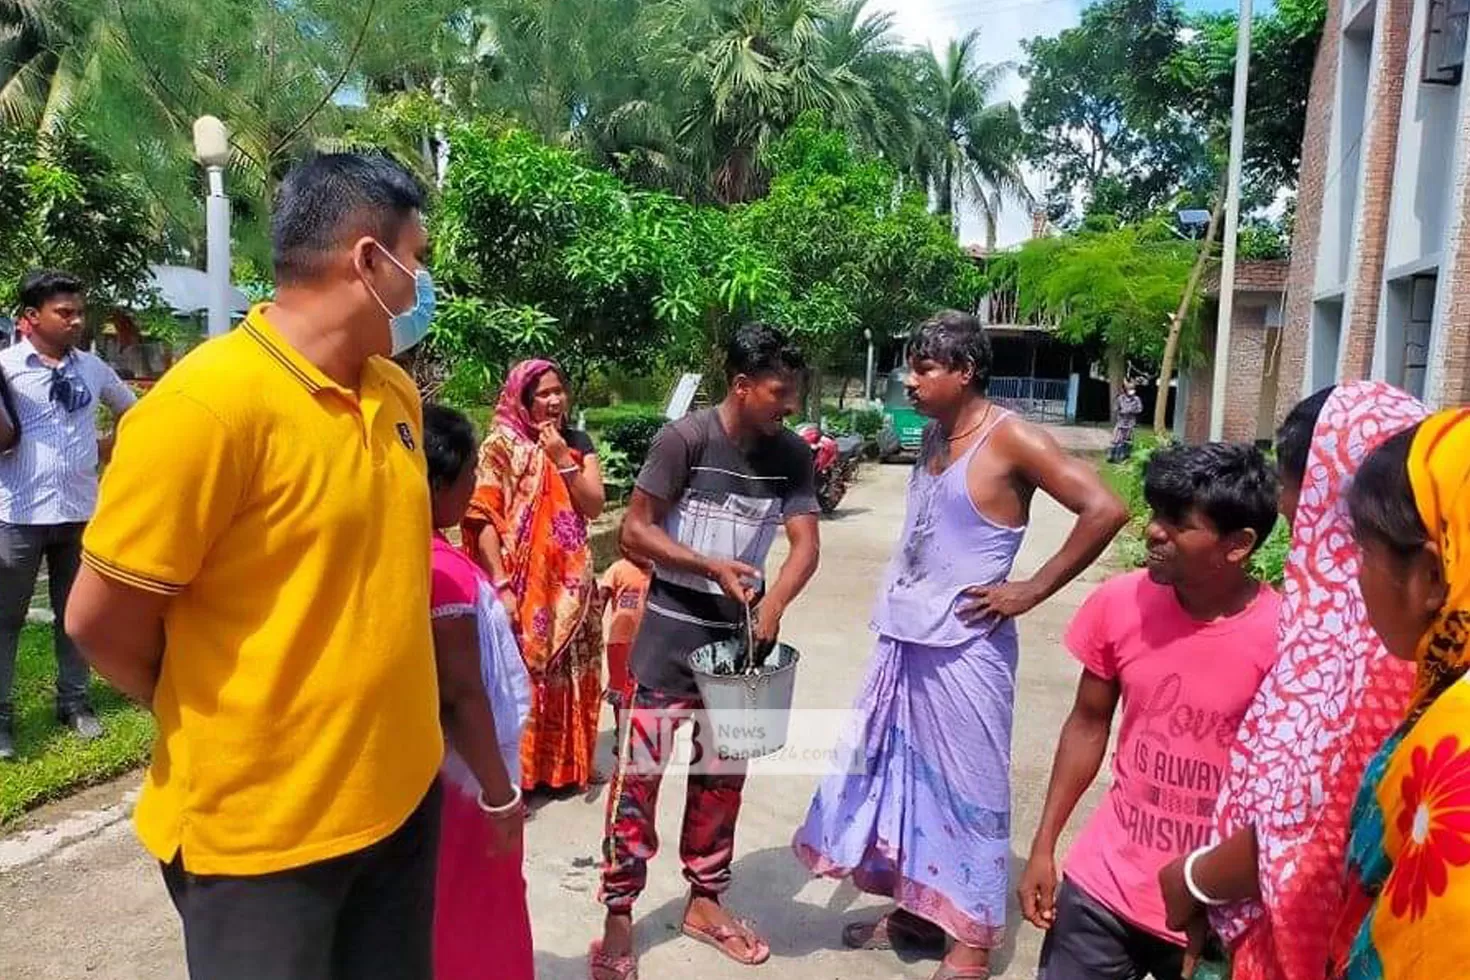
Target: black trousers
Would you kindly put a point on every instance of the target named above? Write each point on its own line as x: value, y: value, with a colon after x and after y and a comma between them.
x: 22, y: 546
x: 1088, y: 942
x: 362, y: 916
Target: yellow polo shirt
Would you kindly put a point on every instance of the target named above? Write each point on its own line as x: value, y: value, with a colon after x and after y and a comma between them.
x: 289, y: 519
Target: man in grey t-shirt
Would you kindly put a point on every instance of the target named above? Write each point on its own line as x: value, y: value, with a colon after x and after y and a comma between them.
x: 716, y: 487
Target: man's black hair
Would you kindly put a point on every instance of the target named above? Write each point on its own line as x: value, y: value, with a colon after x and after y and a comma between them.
x: 1294, y: 437
x: 957, y: 341
x: 332, y: 199
x: 43, y: 285
x: 449, y: 445
x: 1232, y: 485
x: 759, y: 349
x: 1381, y: 499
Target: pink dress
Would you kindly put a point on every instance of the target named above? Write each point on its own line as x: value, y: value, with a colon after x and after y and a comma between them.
x: 482, y: 930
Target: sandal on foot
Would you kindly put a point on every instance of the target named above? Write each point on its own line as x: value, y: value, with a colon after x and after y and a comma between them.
x: 947, y: 972
x: 604, y: 966
x: 720, y: 936
x: 889, y: 933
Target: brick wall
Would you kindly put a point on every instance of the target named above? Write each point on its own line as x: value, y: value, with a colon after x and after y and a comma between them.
x: 1197, y: 407
x: 1453, y: 345
x: 1243, y: 383
x: 1248, y: 351
x: 1301, y: 279
x: 1378, y: 154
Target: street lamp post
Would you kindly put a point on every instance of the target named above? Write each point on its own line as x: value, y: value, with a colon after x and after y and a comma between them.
x: 1232, y: 223
x: 212, y: 148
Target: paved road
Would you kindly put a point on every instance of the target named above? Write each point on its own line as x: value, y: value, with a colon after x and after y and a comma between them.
x: 97, y: 909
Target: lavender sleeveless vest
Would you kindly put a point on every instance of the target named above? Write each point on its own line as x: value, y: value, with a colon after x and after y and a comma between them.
x: 947, y: 547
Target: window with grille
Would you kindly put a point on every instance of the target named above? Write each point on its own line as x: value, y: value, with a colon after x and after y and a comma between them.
x: 1446, y: 28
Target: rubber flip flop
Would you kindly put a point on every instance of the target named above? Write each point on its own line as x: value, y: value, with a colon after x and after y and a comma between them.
x: 601, y: 966
x: 720, y: 936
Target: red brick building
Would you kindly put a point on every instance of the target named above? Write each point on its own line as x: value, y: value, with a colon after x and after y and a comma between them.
x: 1253, y: 380
x: 1379, y: 279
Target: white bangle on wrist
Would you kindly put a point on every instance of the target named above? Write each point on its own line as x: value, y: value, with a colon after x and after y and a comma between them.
x: 1195, y: 890
x: 504, y: 810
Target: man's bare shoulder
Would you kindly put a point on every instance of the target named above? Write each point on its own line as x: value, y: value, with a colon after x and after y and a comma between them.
x: 1019, y: 439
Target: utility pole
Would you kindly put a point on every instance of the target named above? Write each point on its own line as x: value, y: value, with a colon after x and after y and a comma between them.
x: 1232, y: 223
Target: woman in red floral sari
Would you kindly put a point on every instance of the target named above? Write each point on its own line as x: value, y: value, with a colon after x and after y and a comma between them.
x: 538, y: 486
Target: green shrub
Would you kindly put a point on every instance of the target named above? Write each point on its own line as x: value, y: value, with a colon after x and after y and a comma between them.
x: 1269, y: 561
x: 632, y: 436
x: 868, y: 422
x: 865, y: 422
x: 618, y: 474
x: 839, y: 424
x: 603, y: 417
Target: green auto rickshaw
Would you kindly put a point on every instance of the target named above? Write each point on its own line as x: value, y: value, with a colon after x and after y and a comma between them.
x: 903, y: 426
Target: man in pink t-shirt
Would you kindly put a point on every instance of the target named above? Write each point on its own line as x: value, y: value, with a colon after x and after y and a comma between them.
x: 1183, y: 645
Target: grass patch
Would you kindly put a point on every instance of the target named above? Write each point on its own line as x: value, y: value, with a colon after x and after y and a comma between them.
x: 53, y: 762
x: 1130, y: 549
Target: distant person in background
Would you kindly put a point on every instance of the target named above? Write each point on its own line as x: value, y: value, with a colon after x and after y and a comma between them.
x: 48, y: 480
x: 1128, y: 409
x: 482, y: 930
x: 539, y: 486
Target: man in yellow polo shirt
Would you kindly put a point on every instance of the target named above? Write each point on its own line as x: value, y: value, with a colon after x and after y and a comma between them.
x: 258, y: 573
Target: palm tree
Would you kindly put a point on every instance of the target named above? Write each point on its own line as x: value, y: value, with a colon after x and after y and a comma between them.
x: 867, y: 46
x: 751, y: 68
x: 586, y: 73
x: 50, y: 53
x: 969, y: 150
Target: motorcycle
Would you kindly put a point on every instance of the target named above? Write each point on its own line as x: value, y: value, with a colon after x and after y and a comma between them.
x: 834, y: 462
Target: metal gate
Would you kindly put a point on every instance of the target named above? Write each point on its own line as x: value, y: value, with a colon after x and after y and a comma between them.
x: 1037, y: 399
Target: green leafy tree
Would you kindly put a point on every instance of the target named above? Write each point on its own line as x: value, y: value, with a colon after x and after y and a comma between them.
x: 281, y: 76
x: 866, y: 45
x: 50, y: 57
x: 750, y: 68
x: 1130, y: 110
x: 858, y: 252
x: 1099, y: 111
x: 63, y: 205
x: 1110, y: 284
x: 1283, y: 50
x: 540, y: 252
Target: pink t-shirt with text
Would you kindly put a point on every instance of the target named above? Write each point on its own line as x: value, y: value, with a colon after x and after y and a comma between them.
x: 1186, y: 686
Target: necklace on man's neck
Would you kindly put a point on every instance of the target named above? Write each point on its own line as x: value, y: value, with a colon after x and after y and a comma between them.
x: 972, y: 429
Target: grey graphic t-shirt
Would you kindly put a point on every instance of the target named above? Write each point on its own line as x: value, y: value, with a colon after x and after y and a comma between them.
x: 724, y: 503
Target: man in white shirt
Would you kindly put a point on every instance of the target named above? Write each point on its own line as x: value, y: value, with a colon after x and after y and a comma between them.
x: 48, y: 479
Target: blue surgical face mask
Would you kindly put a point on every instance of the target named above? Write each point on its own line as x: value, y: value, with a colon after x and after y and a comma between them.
x: 410, y: 327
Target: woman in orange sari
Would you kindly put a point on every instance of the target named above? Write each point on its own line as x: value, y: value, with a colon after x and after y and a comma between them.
x: 538, y: 485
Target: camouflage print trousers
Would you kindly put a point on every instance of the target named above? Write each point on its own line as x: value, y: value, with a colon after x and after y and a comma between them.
x: 711, y: 803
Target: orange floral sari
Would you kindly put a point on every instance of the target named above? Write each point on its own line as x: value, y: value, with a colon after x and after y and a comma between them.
x: 545, y: 552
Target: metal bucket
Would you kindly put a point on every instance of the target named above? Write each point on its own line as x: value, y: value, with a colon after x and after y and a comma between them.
x: 749, y: 713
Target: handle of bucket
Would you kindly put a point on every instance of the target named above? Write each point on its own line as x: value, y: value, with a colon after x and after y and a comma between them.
x: 751, y: 667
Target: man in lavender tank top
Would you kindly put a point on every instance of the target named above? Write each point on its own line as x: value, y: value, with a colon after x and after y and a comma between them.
x: 921, y: 811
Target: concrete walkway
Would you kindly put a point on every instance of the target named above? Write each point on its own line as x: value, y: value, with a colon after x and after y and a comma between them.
x: 97, y: 908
